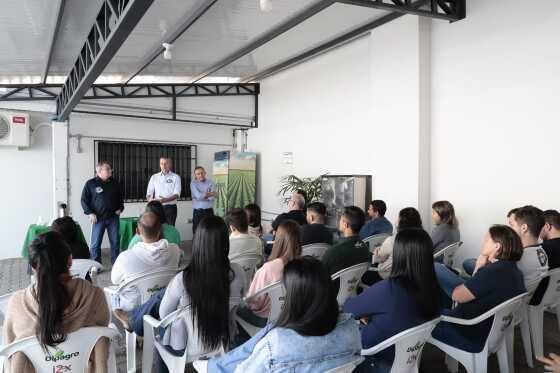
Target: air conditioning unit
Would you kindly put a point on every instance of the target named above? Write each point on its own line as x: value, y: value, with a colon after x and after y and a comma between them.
x: 14, y: 129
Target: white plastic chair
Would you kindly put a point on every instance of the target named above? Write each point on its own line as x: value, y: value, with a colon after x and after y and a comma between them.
x: 4, y: 299
x: 82, y: 267
x: 408, y: 347
x: 146, y: 284
x: 448, y: 253
x: 71, y: 355
x: 193, y: 351
x: 249, y: 264
x: 375, y: 240
x: 316, y: 250
x: 349, y: 280
x: 276, y: 295
x: 348, y: 367
x: 495, y: 343
x: 536, y: 313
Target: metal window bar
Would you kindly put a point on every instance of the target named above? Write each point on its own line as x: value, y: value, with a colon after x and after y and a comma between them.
x: 134, y: 163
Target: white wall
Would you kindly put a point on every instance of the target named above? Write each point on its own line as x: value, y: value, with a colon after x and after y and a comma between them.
x: 495, y: 126
x: 91, y: 127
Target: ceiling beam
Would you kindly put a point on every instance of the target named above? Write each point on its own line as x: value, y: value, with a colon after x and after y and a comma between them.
x: 179, y: 30
x: 300, y: 17
x: 451, y: 10
x: 114, y: 23
x: 61, y: 4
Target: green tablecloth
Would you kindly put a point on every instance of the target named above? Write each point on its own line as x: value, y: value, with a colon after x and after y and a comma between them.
x: 34, y: 230
x: 127, y: 230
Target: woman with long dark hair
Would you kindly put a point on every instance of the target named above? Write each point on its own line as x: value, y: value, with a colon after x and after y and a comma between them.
x: 286, y: 247
x: 446, y: 226
x: 309, y: 335
x: 55, y: 305
x: 410, y: 297
x: 206, y: 285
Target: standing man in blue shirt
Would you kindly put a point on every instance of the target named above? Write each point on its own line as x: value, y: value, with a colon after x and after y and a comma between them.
x: 378, y: 223
x: 102, y: 201
x: 165, y: 186
x: 203, y: 194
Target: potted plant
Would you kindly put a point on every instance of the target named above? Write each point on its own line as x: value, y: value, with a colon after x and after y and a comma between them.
x: 289, y: 184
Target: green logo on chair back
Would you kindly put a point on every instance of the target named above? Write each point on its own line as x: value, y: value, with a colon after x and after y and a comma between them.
x: 155, y: 288
x: 61, y: 355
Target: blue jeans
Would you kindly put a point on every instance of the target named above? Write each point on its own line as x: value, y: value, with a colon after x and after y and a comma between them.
x: 468, y: 265
x: 97, y: 231
x: 448, y: 280
x: 150, y: 307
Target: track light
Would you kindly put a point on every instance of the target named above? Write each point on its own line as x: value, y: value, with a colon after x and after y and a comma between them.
x: 167, y: 52
x: 265, y: 5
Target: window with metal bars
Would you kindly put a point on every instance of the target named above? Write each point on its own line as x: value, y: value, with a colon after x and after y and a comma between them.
x: 134, y: 163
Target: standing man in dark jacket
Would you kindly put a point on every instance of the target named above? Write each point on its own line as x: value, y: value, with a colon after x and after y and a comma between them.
x: 102, y: 201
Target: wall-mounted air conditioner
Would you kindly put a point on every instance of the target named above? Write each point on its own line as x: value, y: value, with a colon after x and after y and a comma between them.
x: 14, y: 129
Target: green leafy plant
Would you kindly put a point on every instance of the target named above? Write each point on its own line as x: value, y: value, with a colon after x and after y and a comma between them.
x: 291, y: 183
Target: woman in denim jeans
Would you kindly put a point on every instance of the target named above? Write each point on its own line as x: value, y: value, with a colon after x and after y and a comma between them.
x: 310, y: 334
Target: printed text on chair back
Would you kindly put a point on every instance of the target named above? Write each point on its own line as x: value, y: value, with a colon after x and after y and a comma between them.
x: 349, y: 281
x: 503, y: 320
x: 408, y: 350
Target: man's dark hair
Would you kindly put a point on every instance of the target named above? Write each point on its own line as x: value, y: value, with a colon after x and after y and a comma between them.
x: 379, y: 206
x: 66, y: 227
x: 512, y: 211
x: 199, y: 168
x: 552, y: 217
x: 318, y: 208
x: 237, y: 218
x: 157, y: 208
x: 355, y: 217
x: 533, y: 217
x: 150, y: 226
x: 104, y: 163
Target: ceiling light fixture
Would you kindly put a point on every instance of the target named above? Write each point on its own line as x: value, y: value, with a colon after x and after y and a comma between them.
x: 265, y: 5
x: 167, y: 52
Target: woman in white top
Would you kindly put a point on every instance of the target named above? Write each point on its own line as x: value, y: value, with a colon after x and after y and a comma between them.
x: 207, y: 286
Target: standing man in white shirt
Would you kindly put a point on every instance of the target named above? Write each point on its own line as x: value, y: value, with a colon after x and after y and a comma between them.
x: 203, y: 193
x: 165, y: 186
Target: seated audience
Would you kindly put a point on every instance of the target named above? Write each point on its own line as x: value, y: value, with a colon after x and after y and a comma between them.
x: 286, y: 247
x: 408, y: 218
x: 55, y: 305
x: 153, y: 253
x: 253, y: 212
x: 404, y: 300
x: 446, y: 231
x: 496, y: 279
x: 170, y: 233
x: 296, y: 206
x: 69, y: 231
x: 315, y: 230
x: 209, y: 304
x: 350, y: 250
x: 240, y: 241
x: 378, y: 223
x: 209, y: 263
x: 310, y: 335
x: 550, y: 235
x: 528, y: 222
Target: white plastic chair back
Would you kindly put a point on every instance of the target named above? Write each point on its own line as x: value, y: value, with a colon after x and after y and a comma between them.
x: 448, y: 253
x: 349, y: 281
x: 249, y: 264
x: 193, y: 351
x: 149, y: 283
x: 408, y: 347
x: 348, y: 367
x: 81, y: 267
x: 316, y: 250
x: 4, y: 299
x: 375, y: 240
x: 503, y: 321
x: 552, y: 293
x: 276, y: 294
x: 70, y: 356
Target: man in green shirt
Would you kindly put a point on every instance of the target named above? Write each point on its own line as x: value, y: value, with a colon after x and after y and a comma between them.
x: 350, y: 250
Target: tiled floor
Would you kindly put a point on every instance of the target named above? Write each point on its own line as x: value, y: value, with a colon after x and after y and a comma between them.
x: 13, y: 276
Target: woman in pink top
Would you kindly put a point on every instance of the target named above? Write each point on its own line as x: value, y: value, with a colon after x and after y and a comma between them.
x: 287, y: 246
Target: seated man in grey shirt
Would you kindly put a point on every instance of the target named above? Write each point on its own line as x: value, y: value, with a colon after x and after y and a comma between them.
x: 240, y: 241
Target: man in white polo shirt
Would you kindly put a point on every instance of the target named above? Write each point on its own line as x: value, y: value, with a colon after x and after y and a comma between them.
x: 165, y: 186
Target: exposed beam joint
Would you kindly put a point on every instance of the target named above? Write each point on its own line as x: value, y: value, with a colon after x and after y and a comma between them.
x: 115, y: 27
x: 442, y: 9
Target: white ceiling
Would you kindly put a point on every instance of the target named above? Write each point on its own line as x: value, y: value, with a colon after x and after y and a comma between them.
x: 26, y: 27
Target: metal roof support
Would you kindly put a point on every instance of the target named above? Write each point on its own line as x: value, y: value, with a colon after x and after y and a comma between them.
x: 303, y: 15
x: 179, y: 30
x: 451, y: 10
x: 115, y: 21
x: 60, y: 12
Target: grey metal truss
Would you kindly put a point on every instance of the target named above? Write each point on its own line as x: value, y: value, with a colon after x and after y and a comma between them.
x: 115, y: 21
x: 451, y: 10
x: 54, y: 36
